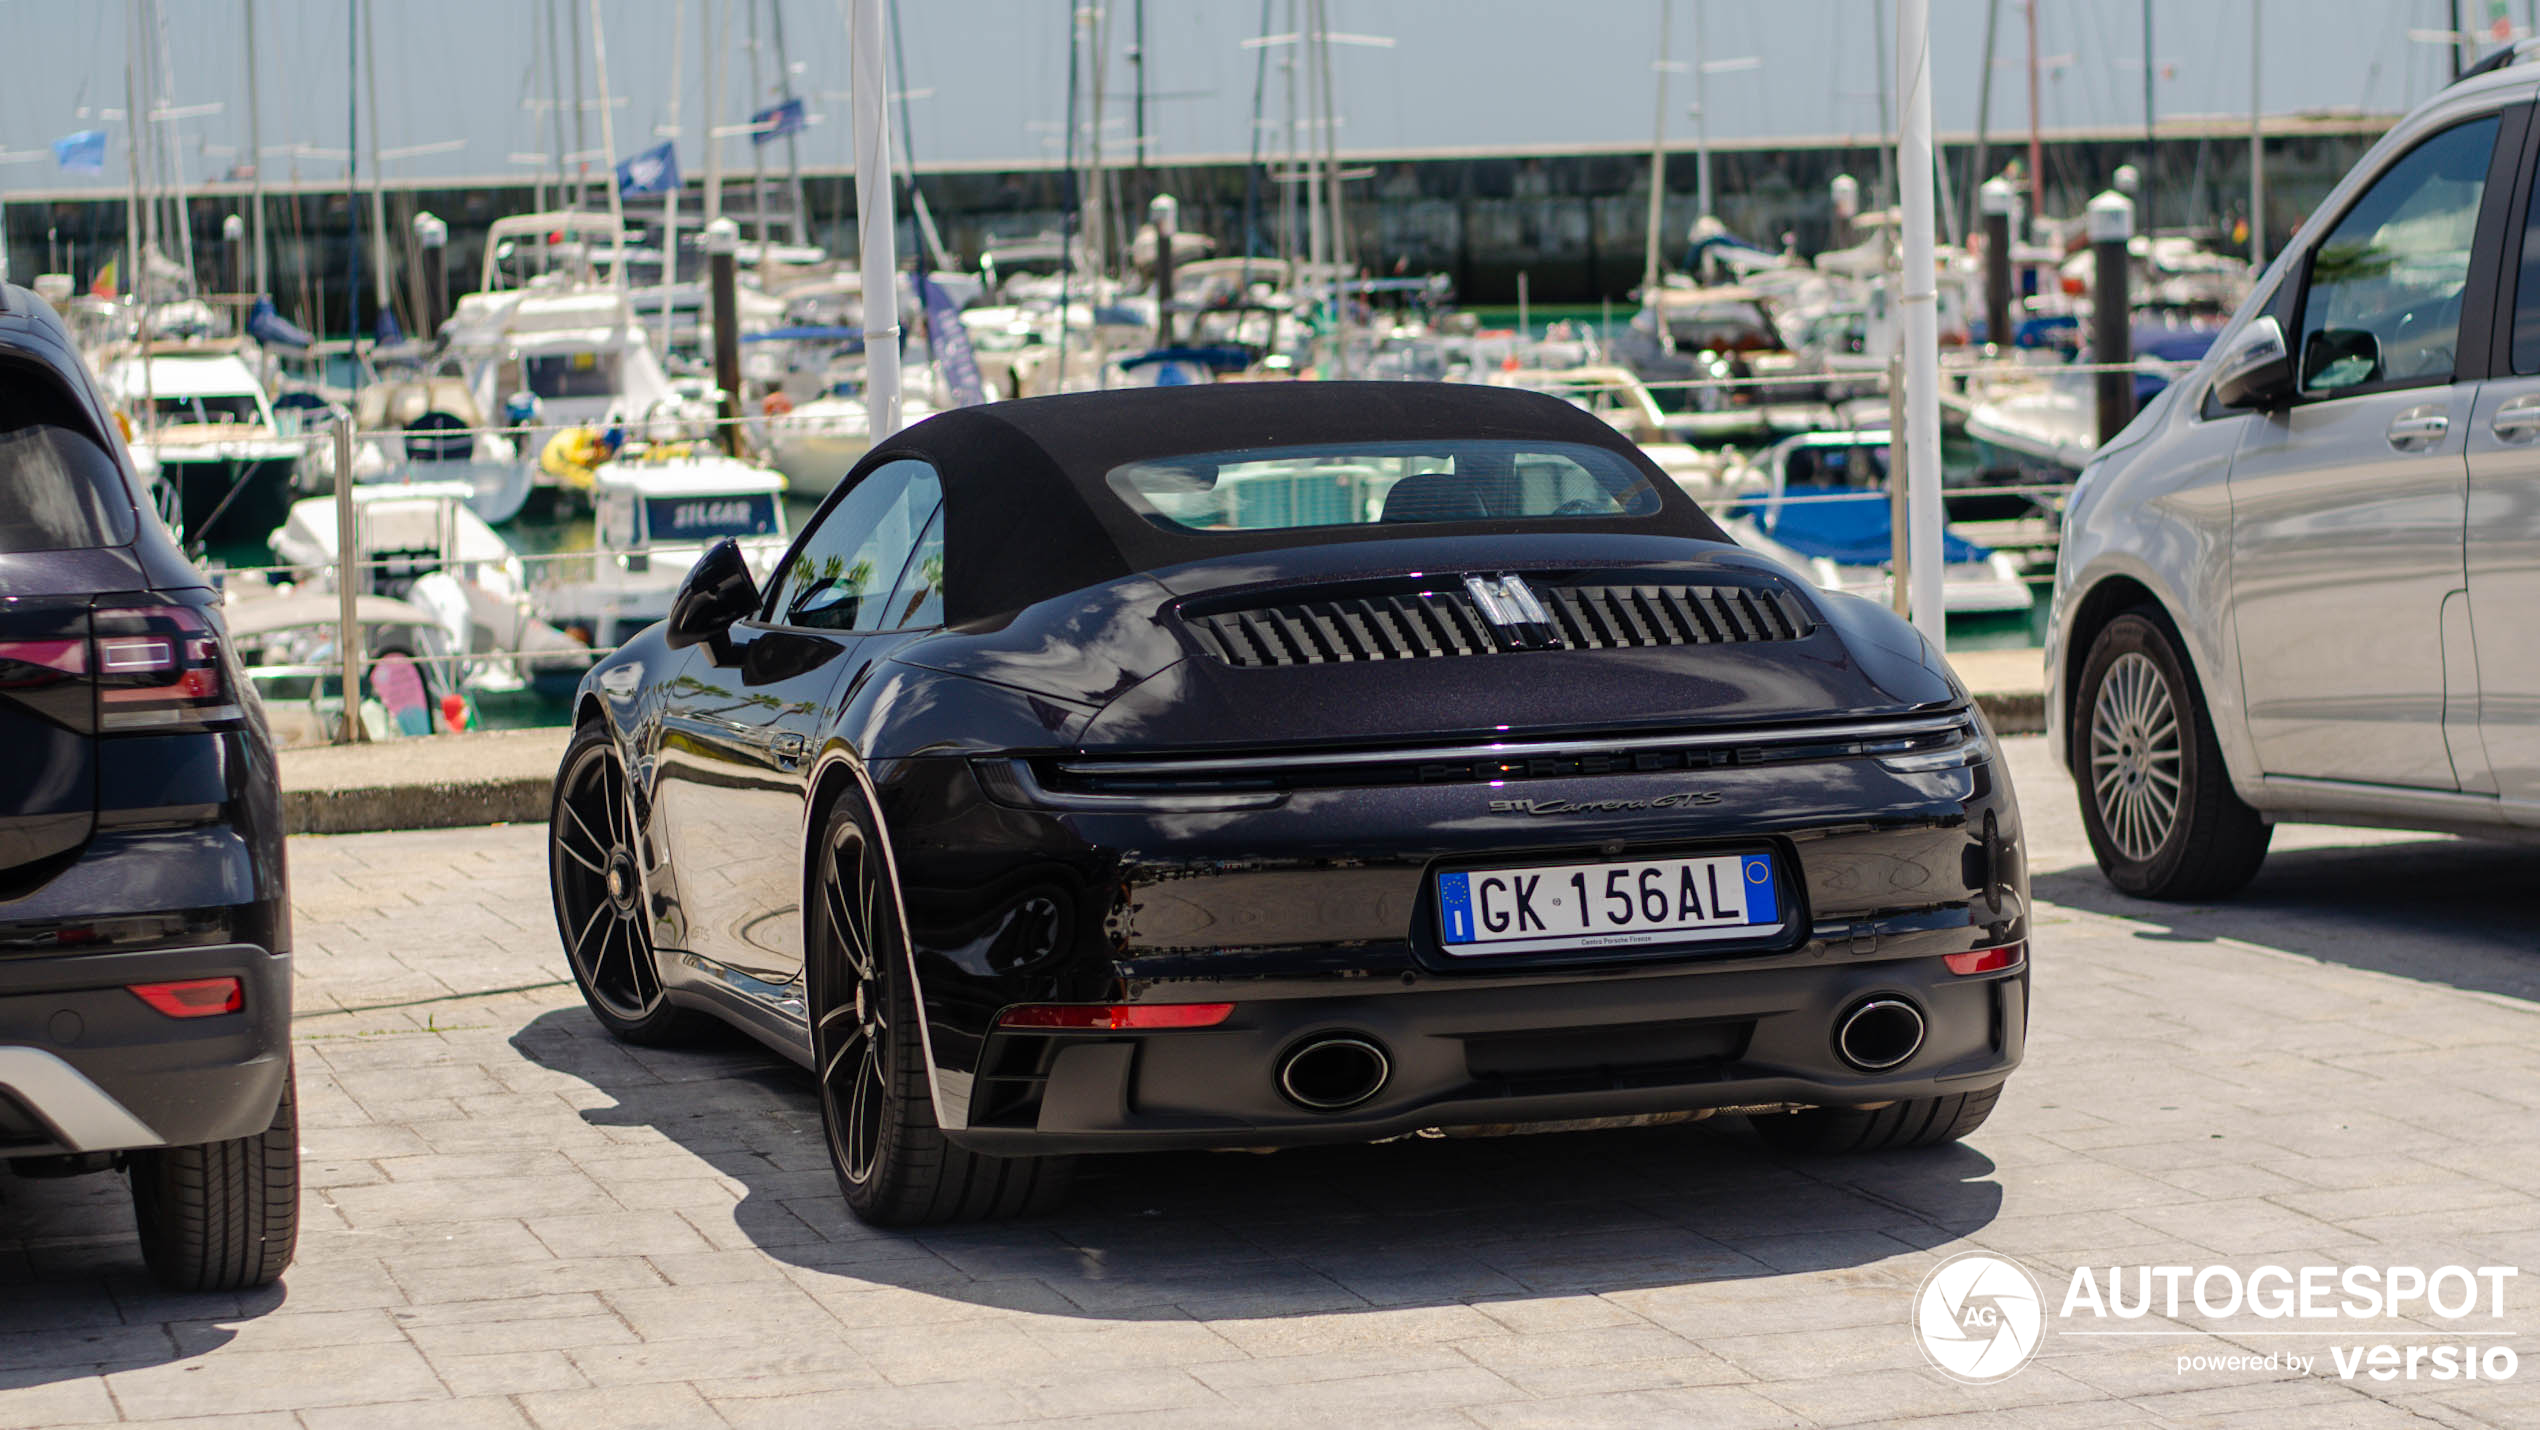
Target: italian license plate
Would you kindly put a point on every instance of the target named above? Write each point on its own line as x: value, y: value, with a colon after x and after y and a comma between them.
x: 1614, y: 905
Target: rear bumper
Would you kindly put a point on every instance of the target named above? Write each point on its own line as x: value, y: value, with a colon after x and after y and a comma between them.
x: 86, y: 1066
x: 1466, y: 1056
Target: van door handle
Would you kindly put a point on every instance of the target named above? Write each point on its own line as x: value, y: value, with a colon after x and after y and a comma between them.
x: 2418, y: 429
x: 2517, y: 421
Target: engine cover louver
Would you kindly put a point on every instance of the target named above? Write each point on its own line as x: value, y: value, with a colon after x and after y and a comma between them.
x: 1442, y: 619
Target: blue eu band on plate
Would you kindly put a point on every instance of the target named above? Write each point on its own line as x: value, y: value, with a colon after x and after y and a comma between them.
x: 1606, y: 905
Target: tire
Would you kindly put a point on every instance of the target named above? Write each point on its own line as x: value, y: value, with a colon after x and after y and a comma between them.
x: 1914, y: 1122
x: 595, y: 881
x: 877, y: 1116
x: 2156, y: 800
x: 222, y: 1216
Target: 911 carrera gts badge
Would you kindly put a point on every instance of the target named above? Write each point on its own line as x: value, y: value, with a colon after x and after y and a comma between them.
x: 1684, y: 799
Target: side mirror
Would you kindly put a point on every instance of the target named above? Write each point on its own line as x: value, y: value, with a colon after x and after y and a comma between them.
x: 718, y: 591
x: 2340, y: 357
x: 2258, y: 373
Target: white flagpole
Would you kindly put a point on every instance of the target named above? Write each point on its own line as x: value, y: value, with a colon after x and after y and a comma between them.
x: 876, y: 224
x: 1921, y: 297
x: 608, y: 146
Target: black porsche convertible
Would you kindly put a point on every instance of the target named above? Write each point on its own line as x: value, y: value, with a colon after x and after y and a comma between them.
x: 1261, y: 764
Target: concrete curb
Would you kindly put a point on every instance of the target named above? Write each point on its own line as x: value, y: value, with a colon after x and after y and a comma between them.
x: 364, y: 810
x: 506, y: 777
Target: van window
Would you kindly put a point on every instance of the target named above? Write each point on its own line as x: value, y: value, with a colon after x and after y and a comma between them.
x: 2384, y: 303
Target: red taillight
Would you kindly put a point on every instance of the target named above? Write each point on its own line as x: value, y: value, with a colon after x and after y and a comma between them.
x: 1985, y: 960
x: 36, y: 663
x: 192, y: 997
x: 158, y: 667
x: 1115, y: 1017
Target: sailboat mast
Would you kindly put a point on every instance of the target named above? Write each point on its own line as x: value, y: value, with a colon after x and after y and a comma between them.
x: 581, y: 156
x: 555, y: 100
x: 2036, y: 147
x: 2257, y: 144
x: 2151, y: 183
x: 608, y: 147
x: 670, y: 202
x: 1651, y: 263
x: 255, y: 158
x: 716, y: 39
x: 797, y: 226
x: 1887, y: 125
x: 1976, y: 174
x: 758, y: 146
x: 378, y: 175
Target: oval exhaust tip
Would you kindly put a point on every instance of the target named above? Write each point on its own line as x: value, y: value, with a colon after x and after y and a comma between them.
x: 1330, y: 1074
x: 1880, y: 1034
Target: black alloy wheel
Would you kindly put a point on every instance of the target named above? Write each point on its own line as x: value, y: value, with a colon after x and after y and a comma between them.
x: 2156, y: 799
x: 594, y: 868
x: 894, y: 1164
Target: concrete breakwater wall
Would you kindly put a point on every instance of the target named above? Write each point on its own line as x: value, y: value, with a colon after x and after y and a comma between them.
x: 1571, y: 222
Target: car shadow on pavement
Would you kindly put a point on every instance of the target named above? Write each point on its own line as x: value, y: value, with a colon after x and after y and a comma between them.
x: 2449, y: 911
x: 75, y: 1300
x: 1414, y: 1222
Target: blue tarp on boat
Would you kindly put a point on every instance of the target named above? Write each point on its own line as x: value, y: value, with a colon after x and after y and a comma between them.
x: 1846, y: 525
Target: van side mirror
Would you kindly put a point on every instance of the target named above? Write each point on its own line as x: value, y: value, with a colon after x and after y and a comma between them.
x: 718, y: 591
x: 2258, y: 372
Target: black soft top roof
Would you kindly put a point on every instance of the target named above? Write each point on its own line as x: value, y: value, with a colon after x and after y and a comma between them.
x: 1028, y: 514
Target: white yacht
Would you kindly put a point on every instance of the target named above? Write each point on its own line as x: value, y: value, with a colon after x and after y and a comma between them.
x: 422, y: 543
x: 1822, y: 509
x: 549, y: 341
x: 201, y: 424
x: 429, y: 430
x: 656, y: 510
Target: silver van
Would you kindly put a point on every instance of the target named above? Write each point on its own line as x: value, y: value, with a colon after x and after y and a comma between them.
x: 2304, y: 583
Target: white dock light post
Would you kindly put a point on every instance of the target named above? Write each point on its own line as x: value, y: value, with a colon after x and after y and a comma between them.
x: 1165, y: 212
x: 876, y: 224
x: 1920, y: 297
x: 2110, y: 224
x: 233, y: 234
x: 1997, y: 199
x: 1846, y: 193
x: 723, y: 288
x: 433, y: 237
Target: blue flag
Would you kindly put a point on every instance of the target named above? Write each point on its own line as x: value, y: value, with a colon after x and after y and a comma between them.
x: 655, y: 171
x: 776, y: 121
x: 951, y: 343
x: 81, y: 153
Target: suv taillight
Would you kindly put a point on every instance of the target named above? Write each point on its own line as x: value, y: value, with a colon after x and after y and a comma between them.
x: 158, y: 667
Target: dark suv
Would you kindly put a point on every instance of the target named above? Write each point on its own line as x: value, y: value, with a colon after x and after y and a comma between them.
x: 145, y: 932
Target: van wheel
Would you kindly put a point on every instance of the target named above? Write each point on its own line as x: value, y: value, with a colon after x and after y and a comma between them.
x: 222, y: 1216
x: 1913, y: 1122
x: 2155, y: 798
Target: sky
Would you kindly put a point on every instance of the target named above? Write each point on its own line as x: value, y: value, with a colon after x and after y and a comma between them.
x: 988, y: 78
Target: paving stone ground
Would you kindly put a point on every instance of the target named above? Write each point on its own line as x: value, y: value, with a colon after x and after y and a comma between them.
x: 512, y: 1221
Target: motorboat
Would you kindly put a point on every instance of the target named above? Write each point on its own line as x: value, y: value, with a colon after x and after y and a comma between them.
x: 550, y: 340
x: 413, y: 428
x: 1823, y: 509
x: 1623, y: 400
x: 2043, y: 423
x: 287, y: 644
x: 656, y: 507
x: 200, y: 423
x: 422, y: 542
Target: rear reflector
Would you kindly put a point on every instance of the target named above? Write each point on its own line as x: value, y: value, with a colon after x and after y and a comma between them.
x: 1116, y: 1017
x: 1985, y: 960
x: 192, y: 997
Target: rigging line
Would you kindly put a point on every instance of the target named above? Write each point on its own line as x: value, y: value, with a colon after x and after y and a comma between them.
x: 1069, y: 201
x: 1252, y: 165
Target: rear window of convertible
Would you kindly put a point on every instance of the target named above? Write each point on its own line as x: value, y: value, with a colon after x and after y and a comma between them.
x: 1372, y: 483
